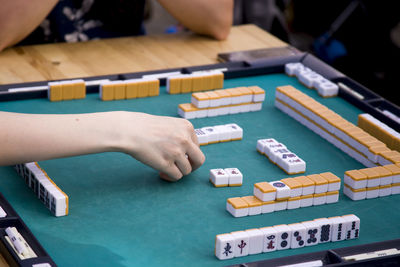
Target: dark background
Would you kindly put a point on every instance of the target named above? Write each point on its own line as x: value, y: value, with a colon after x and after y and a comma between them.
x: 365, y: 45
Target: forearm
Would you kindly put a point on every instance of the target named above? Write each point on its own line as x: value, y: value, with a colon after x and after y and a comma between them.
x: 167, y: 144
x: 18, y: 18
x: 209, y: 17
x: 29, y: 137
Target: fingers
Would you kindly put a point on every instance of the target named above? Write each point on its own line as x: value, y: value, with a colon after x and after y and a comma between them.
x: 195, y: 156
x: 194, y: 138
x: 171, y: 174
x: 184, y: 163
x: 166, y: 177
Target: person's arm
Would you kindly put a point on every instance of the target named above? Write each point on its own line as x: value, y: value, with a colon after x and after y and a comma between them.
x: 167, y: 144
x: 18, y: 18
x: 209, y: 17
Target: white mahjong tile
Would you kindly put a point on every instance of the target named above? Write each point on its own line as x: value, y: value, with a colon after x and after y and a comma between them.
x: 306, y: 201
x: 212, y: 112
x: 280, y: 205
x: 282, y: 190
x: 264, y: 191
x: 283, y: 233
x: 235, y: 176
x: 372, y: 192
x: 262, y: 143
x: 313, y: 233
x: 396, y: 189
x: 60, y: 204
x: 290, y: 68
x: 309, y: 79
x: 41, y: 177
x: 282, y: 157
x: 234, y: 109
x: 256, y: 106
x: 224, y: 246
x: 268, y: 207
x: 355, y: 184
x: 270, y: 239
x: 298, y: 235
x: 352, y: 226
x: 274, y: 153
x: 213, y: 134
x: 326, y: 230
x: 268, y: 148
x: 244, y: 108
x: 338, y: 229
x: 293, y: 165
x: 236, y: 131
x: 225, y: 101
x: 386, y: 180
x: 355, y: 195
x: 27, y: 173
x: 200, y: 103
x: 241, y: 243
x: 326, y: 88
x: 385, y: 191
x: 281, y: 97
x: 332, y: 197
x: 319, y: 199
x: 188, y: 114
x: 293, y: 203
x: 256, y: 240
x: 214, y: 103
x: 237, y: 212
x: 281, y: 106
x: 202, y: 136
x: 202, y: 113
x: 219, y: 177
x: 224, y: 133
x: 259, y: 98
x: 247, y: 98
x: 301, y: 71
x: 223, y: 111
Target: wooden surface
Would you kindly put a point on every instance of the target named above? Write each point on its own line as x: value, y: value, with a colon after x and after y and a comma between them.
x: 122, y: 55
x: 3, y: 262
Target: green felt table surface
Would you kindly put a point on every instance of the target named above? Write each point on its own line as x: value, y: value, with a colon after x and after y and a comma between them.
x: 122, y: 214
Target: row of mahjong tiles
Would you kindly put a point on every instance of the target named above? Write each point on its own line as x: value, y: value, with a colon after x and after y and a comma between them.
x: 346, y: 136
x: 219, y: 133
x: 223, y: 102
x: 372, y: 182
x: 44, y: 188
x: 312, y: 79
x: 108, y: 90
x: 278, y: 154
x: 226, y: 177
x: 129, y: 89
x: 288, y: 193
x: 200, y: 81
x: 225, y: 97
x: 379, y: 130
x: 286, y: 236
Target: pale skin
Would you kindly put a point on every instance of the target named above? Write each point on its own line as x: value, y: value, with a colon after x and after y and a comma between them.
x: 18, y: 18
x: 167, y: 144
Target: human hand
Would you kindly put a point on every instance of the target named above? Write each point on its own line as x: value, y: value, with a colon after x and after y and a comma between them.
x: 167, y: 144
